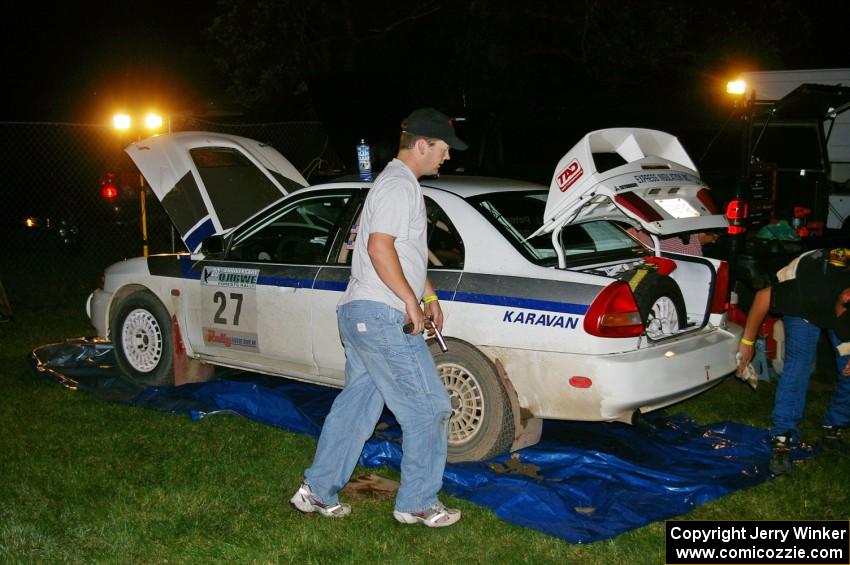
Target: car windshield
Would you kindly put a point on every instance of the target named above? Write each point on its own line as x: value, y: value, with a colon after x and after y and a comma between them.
x: 518, y: 214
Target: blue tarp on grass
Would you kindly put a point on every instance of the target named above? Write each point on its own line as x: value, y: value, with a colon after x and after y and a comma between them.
x: 583, y: 482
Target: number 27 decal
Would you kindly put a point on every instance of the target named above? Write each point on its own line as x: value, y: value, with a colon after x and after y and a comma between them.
x: 220, y: 299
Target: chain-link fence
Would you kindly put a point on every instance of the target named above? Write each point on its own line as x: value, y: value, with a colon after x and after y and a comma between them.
x: 58, y: 231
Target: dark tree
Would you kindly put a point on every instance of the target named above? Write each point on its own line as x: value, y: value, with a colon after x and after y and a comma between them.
x: 497, y: 53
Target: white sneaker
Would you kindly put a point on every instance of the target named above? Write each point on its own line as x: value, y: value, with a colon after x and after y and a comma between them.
x: 305, y: 501
x: 438, y: 516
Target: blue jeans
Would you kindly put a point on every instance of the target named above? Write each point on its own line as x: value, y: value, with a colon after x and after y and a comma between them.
x: 383, y: 364
x: 801, y: 341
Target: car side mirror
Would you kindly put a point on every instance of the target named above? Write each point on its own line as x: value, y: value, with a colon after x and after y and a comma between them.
x: 213, y: 245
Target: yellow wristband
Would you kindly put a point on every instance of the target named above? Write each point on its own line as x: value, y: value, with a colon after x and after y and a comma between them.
x: 746, y: 341
x: 429, y: 299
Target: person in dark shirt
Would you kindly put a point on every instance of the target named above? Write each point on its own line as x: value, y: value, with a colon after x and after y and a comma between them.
x: 812, y: 293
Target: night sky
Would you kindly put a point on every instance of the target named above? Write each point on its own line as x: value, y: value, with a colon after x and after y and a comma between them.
x: 80, y: 63
x: 77, y: 63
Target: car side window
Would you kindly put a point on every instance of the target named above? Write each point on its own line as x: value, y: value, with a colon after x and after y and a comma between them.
x: 346, y: 252
x: 445, y: 247
x: 298, y: 233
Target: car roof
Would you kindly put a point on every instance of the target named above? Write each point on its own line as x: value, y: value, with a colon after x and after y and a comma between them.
x: 466, y: 187
x: 463, y: 186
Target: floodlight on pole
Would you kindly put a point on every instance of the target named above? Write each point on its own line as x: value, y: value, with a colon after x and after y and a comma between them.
x: 736, y: 87
x: 153, y: 121
x: 121, y: 121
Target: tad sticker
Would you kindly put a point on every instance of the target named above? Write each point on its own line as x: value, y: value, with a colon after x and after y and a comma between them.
x: 569, y: 175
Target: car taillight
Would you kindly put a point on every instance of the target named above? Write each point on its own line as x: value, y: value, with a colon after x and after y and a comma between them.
x: 736, y: 213
x: 614, y: 313
x: 664, y: 264
x: 721, y: 289
x: 704, y: 196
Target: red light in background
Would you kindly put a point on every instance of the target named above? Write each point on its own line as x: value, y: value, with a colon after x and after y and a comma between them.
x: 109, y: 192
x: 108, y: 189
x: 737, y: 212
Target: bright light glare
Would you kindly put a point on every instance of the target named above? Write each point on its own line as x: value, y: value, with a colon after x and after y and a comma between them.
x: 153, y: 121
x: 678, y: 208
x: 121, y: 121
x: 736, y: 87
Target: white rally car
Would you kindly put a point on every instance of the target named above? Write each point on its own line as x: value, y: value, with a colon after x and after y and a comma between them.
x: 552, y: 310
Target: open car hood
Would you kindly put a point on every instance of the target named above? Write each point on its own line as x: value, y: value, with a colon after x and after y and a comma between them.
x: 209, y: 183
x: 640, y: 176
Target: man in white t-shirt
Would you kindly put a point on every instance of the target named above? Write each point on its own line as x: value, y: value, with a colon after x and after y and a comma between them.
x: 384, y: 364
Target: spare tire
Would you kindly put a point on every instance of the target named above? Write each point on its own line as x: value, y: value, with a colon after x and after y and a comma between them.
x: 661, y: 305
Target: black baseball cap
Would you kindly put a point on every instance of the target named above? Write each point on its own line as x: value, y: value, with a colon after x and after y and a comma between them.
x: 428, y: 122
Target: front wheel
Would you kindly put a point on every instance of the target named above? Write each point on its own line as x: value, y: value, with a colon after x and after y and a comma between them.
x: 481, y: 424
x: 141, y: 334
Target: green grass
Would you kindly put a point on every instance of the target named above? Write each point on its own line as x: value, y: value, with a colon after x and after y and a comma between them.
x: 89, y: 481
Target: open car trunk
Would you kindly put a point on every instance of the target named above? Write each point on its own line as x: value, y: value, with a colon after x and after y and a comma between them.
x: 693, y: 288
x: 643, y: 178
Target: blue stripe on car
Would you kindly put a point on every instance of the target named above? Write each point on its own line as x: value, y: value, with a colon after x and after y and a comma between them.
x: 162, y: 266
x: 516, y: 302
x: 284, y: 281
x: 199, y: 234
x: 330, y: 285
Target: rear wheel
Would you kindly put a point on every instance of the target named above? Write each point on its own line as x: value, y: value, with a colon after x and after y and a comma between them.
x: 661, y: 305
x: 481, y: 424
x: 141, y: 334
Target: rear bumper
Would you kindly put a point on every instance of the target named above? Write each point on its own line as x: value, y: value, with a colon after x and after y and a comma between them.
x: 665, y: 374
x: 644, y: 379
